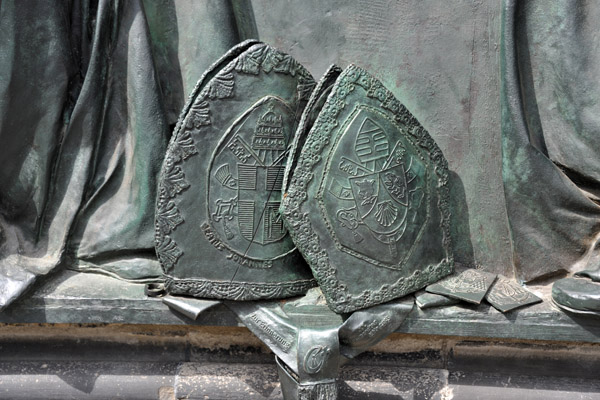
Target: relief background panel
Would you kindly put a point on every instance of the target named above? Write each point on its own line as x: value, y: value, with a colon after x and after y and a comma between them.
x: 442, y: 63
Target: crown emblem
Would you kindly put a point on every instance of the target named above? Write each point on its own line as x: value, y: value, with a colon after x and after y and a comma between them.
x: 268, y: 133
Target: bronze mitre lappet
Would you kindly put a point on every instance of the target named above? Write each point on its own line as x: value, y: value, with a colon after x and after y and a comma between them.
x: 366, y: 198
x: 218, y: 229
x: 365, y: 188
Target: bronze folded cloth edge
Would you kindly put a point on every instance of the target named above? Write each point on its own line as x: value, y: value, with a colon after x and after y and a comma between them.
x: 577, y: 295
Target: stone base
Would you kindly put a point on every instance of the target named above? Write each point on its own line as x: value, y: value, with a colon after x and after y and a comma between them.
x: 70, y: 297
x: 117, y: 344
x: 51, y: 380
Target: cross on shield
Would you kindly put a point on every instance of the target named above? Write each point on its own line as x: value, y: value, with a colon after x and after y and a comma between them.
x: 259, y: 197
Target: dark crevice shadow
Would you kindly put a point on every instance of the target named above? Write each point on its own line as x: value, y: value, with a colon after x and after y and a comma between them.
x: 244, y: 19
x: 460, y: 230
x: 525, y: 72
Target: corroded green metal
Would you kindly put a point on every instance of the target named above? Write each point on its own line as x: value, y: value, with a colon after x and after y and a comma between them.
x: 506, y: 295
x: 551, y: 166
x: 311, y: 342
x: 577, y: 295
x: 218, y: 229
x: 88, y: 96
x: 366, y: 200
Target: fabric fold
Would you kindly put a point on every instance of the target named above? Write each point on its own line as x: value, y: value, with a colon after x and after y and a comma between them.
x: 88, y: 95
x: 554, y: 225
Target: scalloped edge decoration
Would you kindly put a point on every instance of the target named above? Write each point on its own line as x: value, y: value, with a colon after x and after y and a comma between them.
x: 240, y: 291
x: 299, y: 225
x: 218, y: 82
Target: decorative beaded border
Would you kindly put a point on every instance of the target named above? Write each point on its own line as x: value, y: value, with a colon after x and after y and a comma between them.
x: 250, y: 57
x: 299, y: 224
x: 237, y: 290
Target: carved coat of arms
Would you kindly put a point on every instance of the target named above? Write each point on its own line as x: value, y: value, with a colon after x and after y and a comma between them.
x: 379, y: 188
x: 247, y: 206
x: 380, y: 194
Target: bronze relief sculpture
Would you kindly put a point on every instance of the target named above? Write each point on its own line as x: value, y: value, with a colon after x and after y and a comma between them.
x: 262, y: 173
x: 363, y: 196
x: 366, y: 202
x: 218, y: 229
x: 361, y: 186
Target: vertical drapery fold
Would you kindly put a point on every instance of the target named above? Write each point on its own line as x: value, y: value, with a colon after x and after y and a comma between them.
x: 553, y: 218
x: 89, y: 92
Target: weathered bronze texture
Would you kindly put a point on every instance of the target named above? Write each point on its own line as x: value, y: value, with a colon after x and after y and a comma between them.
x: 577, y: 295
x: 366, y: 201
x: 89, y: 92
x: 470, y: 286
x: 81, y: 133
x: 218, y: 229
x: 430, y: 300
x: 550, y: 146
x: 551, y: 167
x: 506, y: 295
x: 311, y: 342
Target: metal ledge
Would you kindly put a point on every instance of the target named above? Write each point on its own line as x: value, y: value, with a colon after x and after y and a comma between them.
x: 71, y: 297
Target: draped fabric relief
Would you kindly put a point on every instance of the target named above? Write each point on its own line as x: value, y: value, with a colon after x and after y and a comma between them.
x: 88, y: 97
x: 550, y: 121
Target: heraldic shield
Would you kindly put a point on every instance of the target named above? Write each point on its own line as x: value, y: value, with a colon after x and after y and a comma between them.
x: 377, y: 205
x: 259, y: 222
x: 246, y: 174
x: 219, y: 233
x: 367, y: 200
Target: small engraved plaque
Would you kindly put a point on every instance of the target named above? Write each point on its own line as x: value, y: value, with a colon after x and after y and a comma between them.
x: 470, y: 286
x: 506, y: 295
